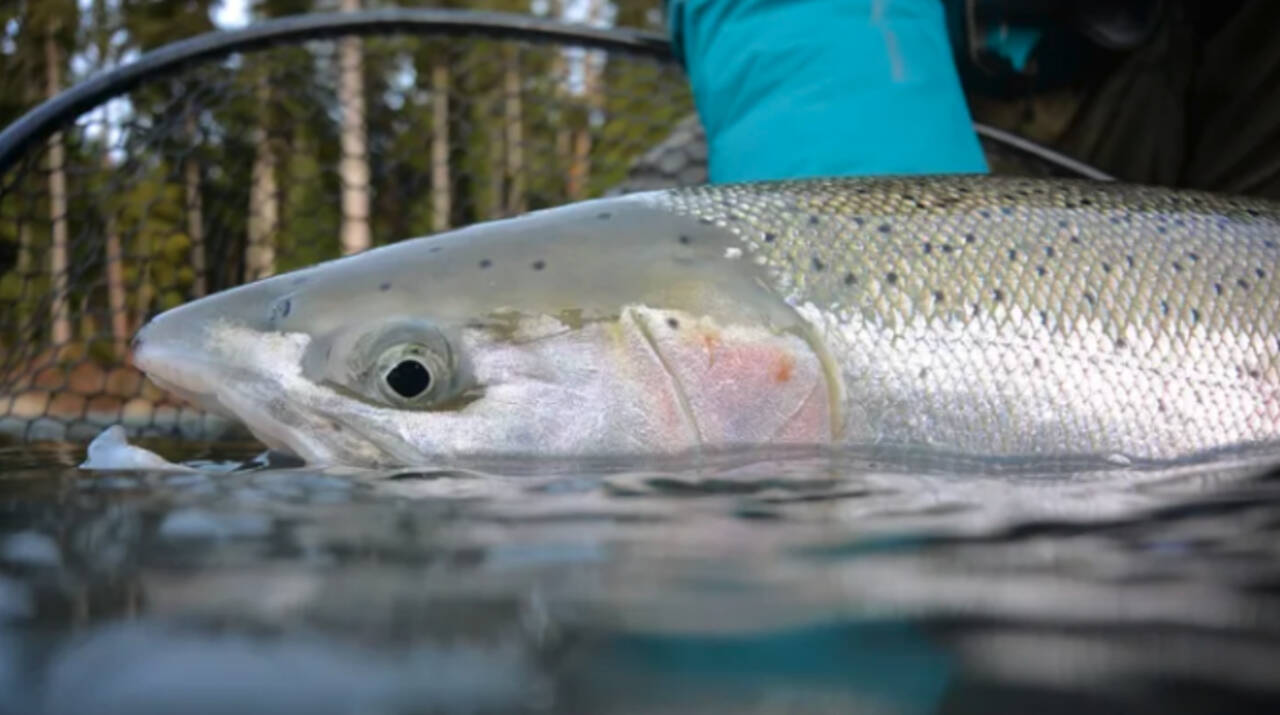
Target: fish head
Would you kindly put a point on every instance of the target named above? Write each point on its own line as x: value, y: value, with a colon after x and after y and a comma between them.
x: 608, y: 327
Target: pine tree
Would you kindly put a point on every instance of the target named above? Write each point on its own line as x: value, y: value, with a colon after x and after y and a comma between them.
x: 354, y: 168
x: 54, y: 22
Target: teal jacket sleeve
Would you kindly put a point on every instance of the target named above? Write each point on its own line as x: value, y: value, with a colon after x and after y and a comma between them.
x: 795, y: 88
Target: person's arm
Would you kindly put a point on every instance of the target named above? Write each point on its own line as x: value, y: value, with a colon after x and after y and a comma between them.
x: 795, y: 88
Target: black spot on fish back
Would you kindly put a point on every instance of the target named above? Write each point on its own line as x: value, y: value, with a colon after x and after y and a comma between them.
x: 538, y: 264
x: 384, y: 287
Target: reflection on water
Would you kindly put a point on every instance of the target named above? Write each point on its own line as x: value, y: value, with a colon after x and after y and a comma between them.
x: 750, y: 583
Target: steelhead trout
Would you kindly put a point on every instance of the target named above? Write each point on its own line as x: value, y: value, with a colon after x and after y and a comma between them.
x: 980, y: 315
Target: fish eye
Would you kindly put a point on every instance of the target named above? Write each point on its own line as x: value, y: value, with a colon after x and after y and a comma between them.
x: 412, y: 374
x: 403, y: 363
x: 408, y: 378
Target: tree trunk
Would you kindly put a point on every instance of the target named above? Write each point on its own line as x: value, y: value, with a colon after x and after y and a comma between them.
x: 119, y: 313
x: 194, y: 207
x: 513, y: 131
x: 146, y: 292
x: 496, y: 168
x: 354, y: 168
x: 30, y: 96
x: 564, y: 133
x: 580, y: 165
x: 564, y: 143
x: 441, y: 189
x: 59, y: 314
x: 24, y: 252
x: 264, y: 197
x: 115, y: 288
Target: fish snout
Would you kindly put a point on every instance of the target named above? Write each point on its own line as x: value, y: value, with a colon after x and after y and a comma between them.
x: 175, y: 346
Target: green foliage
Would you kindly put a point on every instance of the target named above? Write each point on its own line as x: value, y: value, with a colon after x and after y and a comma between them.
x: 307, y: 236
x: 152, y: 23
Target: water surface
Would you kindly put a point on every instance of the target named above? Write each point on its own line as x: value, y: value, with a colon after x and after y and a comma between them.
x: 749, y: 583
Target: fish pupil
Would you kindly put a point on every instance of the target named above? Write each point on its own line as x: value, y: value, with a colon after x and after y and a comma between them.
x: 409, y: 378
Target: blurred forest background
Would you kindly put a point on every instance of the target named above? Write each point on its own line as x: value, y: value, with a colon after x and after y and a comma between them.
x: 264, y: 161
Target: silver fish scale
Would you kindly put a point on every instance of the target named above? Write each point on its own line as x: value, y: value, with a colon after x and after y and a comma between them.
x: 1019, y: 316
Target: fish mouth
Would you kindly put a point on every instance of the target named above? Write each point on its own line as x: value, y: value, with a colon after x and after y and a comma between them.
x: 181, y: 373
x: 221, y: 390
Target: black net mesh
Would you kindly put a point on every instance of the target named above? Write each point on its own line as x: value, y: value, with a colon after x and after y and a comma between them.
x: 245, y: 165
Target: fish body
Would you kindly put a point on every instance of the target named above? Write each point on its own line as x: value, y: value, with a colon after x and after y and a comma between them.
x: 981, y: 315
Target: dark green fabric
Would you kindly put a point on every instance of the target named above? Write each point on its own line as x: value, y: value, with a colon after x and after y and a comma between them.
x: 1194, y: 106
